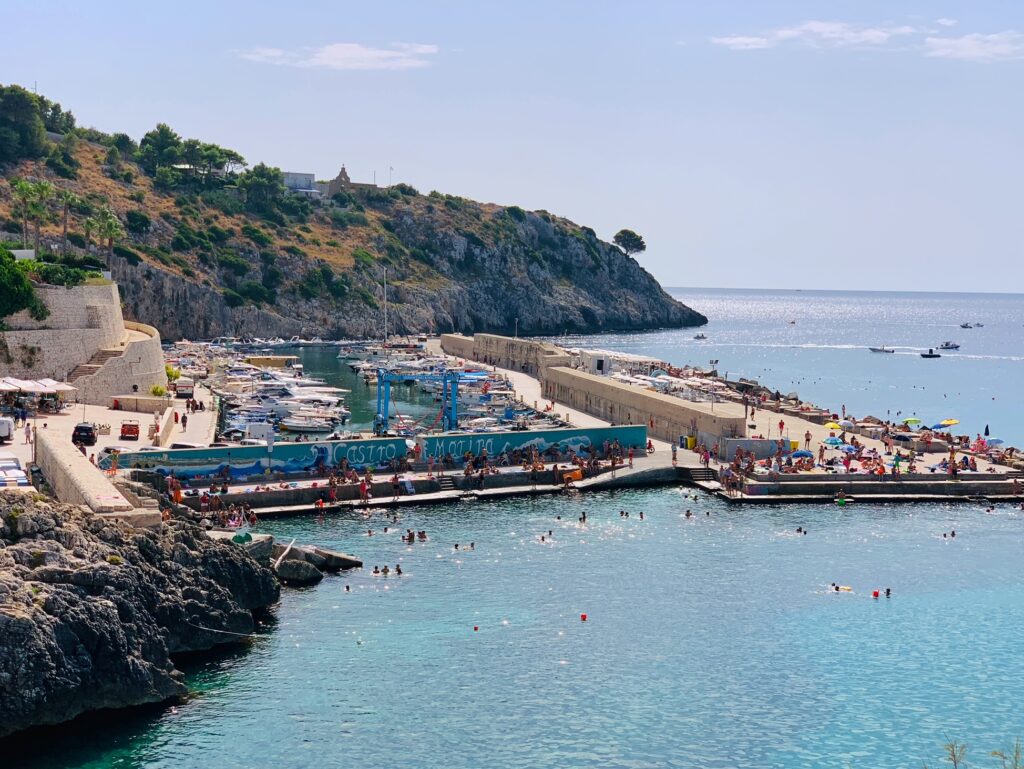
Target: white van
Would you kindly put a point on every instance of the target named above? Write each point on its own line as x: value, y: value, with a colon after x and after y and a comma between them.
x: 6, y: 429
x: 184, y: 387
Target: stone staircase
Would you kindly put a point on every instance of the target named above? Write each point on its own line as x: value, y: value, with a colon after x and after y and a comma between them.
x: 94, y: 364
x: 695, y: 474
x: 446, y: 483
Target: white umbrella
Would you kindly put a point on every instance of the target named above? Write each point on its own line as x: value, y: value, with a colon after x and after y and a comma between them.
x: 6, y: 387
x: 30, y: 386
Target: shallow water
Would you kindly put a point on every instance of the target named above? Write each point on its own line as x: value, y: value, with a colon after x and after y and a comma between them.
x: 710, y: 642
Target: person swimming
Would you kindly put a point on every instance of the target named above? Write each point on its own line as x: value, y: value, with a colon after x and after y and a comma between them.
x: 398, y: 569
x: 641, y: 516
x: 376, y: 570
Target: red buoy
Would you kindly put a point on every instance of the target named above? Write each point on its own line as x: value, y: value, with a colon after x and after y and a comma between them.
x: 874, y: 594
x: 583, y: 618
x: 475, y: 628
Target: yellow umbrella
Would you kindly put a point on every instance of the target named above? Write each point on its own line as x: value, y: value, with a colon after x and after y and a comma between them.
x: 949, y: 422
x: 833, y: 426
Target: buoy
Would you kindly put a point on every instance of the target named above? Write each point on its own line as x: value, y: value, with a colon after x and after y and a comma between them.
x: 874, y: 594
x: 583, y: 618
x: 475, y: 628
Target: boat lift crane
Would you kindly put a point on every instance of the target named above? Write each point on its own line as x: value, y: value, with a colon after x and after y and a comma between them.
x: 449, y: 396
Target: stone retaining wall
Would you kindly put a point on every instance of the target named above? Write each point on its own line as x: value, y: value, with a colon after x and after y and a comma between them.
x: 73, y: 478
x: 141, y: 364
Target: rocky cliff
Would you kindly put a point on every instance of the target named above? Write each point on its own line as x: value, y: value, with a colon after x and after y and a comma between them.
x: 90, y: 611
x: 198, y: 262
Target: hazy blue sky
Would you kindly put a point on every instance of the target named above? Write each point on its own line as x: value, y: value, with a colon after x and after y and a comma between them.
x: 821, y: 144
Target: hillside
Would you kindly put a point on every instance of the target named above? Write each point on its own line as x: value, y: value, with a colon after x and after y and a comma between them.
x: 203, y: 251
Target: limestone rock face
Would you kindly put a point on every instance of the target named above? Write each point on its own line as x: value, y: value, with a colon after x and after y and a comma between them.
x: 90, y: 611
x: 484, y: 271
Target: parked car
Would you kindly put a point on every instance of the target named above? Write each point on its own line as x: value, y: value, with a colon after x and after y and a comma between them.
x: 84, y: 433
x: 6, y: 429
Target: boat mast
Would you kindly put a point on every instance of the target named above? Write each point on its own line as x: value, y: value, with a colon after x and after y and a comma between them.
x: 385, y: 305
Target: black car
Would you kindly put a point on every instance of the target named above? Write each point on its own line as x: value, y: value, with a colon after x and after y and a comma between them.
x: 84, y: 433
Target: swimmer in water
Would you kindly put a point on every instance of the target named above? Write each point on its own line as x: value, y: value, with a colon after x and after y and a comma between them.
x: 348, y: 589
x: 456, y: 545
x: 689, y: 514
x: 641, y: 516
x: 472, y: 545
x: 888, y: 592
x: 385, y: 571
x: 952, y: 534
x: 541, y: 537
x: 398, y: 569
x: 376, y: 569
x: 799, y: 529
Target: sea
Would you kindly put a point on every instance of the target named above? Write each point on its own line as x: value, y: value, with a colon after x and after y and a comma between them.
x: 714, y: 640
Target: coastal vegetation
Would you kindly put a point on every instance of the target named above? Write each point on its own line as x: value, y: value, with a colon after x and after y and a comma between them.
x: 168, y: 213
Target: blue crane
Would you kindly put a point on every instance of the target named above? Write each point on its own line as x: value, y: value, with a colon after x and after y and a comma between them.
x: 449, y: 396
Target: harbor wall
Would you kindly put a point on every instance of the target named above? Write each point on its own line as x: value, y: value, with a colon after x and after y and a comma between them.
x: 458, y: 345
x: 666, y: 416
x: 73, y: 478
x: 251, y: 461
x: 495, y: 443
x: 141, y: 363
x: 526, y: 355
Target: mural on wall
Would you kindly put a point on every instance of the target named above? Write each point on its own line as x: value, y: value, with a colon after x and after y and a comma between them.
x: 243, y: 461
x: 577, y: 439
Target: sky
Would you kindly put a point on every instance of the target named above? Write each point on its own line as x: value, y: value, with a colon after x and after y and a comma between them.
x: 840, y: 144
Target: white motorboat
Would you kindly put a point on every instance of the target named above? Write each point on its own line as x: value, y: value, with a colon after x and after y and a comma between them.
x: 949, y: 346
x: 883, y: 348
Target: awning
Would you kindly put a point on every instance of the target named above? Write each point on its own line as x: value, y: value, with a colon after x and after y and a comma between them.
x: 61, y: 387
x: 29, y: 386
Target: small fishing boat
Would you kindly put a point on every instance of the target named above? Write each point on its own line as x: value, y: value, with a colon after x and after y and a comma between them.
x: 949, y: 346
x: 966, y: 325
x: 930, y: 354
x: 700, y: 336
x: 883, y: 348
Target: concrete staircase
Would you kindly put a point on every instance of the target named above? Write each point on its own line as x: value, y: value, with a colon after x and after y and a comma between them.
x: 446, y: 483
x: 694, y: 474
x: 94, y: 364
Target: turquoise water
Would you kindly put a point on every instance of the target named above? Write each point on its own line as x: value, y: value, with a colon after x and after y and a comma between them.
x: 824, y: 356
x: 710, y: 642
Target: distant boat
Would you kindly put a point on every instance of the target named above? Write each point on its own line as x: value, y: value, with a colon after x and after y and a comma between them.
x: 979, y: 325
x: 949, y: 346
x: 930, y: 354
x: 700, y: 336
x: 883, y: 348
x: 792, y: 323
x: 966, y: 325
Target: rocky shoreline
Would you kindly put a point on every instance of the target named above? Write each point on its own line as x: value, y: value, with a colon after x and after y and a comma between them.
x: 91, y: 611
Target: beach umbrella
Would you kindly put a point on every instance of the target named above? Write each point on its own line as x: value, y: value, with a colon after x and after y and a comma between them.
x: 847, y: 423
x: 912, y: 421
x: 994, y: 441
x: 939, y: 426
x: 949, y: 422
x: 848, y: 449
x: 902, y: 438
x: 832, y: 441
x: 986, y: 431
x: 833, y: 425
x: 802, y: 454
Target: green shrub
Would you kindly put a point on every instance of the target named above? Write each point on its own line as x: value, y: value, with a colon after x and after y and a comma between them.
x: 219, y: 235
x: 344, y: 219
x: 363, y: 259
x: 127, y: 254
x: 294, y: 250
x: 116, y: 560
x: 77, y: 239
x: 137, y: 222
x: 233, y: 262
x: 405, y: 189
x: 158, y: 390
x: 232, y: 298
x: 256, y: 293
x: 516, y: 213
x: 256, y: 235
x: 223, y: 201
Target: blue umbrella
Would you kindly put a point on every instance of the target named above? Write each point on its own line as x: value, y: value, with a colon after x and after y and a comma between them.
x: 993, y: 441
x: 938, y: 427
x: 902, y: 438
x: 848, y: 449
x: 803, y: 454
x: 832, y: 441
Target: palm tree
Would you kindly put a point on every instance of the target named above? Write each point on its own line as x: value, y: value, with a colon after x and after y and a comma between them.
x: 90, y: 225
x: 67, y: 199
x: 108, y: 229
x: 41, y: 194
x: 23, y: 193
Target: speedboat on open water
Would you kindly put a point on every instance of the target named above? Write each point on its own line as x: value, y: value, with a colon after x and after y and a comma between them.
x: 883, y: 348
x: 930, y: 354
x: 949, y: 346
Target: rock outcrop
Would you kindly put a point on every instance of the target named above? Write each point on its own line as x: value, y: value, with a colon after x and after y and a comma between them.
x: 90, y: 611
